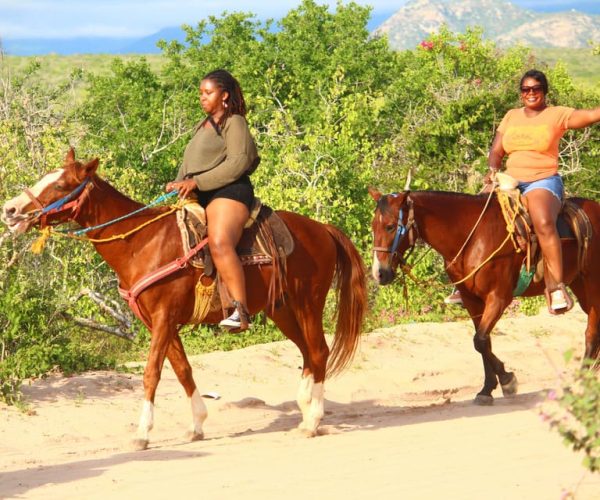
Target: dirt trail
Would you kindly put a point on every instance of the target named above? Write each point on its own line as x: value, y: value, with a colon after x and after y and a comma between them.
x: 398, y: 424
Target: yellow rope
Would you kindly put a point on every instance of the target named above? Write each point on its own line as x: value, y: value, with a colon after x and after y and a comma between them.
x: 510, y: 217
x: 472, y: 230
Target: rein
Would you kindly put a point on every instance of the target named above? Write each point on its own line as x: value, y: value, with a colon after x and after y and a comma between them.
x: 487, y: 203
x: 65, y: 203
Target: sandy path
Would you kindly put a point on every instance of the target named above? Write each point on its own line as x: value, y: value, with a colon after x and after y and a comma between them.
x: 398, y: 424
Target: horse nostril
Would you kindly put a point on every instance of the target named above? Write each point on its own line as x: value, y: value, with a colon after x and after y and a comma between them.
x: 10, y: 211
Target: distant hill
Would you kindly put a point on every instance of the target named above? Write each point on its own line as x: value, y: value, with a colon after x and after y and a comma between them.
x: 91, y: 45
x: 103, y: 45
x: 501, y: 21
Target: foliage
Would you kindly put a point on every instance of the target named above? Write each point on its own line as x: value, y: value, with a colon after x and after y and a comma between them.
x: 573, y: 413
x: 39, y: 294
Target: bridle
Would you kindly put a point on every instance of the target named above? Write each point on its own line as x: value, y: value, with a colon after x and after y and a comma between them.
x: 71, y: 201
x: 402, y: 230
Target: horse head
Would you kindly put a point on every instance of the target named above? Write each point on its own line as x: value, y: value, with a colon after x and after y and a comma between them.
x: 59, y: 194
x: 392, y: 226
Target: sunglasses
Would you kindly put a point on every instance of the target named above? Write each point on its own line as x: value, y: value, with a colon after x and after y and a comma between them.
x: 536, y: 89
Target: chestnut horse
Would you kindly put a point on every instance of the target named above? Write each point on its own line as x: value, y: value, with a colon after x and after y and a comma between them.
x: 444, y: 221
x: 321, y: 253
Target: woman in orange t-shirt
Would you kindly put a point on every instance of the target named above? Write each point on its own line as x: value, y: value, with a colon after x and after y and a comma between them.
x: 529, y: 136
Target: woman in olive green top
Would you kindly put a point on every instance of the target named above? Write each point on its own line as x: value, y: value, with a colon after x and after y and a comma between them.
x: 216, y: 166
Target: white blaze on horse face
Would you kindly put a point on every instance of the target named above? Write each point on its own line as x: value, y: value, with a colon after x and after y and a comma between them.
x: 13, y: 211
x: 375, y: 267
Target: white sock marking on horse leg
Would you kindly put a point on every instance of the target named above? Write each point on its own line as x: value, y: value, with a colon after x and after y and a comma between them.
x: 146, y: 420
x: 317, y: 408
x: 304, y: 396
x: 199, y: 412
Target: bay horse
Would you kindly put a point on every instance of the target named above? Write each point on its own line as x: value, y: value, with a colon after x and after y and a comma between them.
x: 321, y: 255
x: 446, y: 221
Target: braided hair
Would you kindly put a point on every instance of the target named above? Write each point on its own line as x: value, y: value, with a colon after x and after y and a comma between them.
x: 235, y: 104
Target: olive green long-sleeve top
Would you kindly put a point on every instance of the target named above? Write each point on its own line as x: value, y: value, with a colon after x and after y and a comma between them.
x: 215, y: 160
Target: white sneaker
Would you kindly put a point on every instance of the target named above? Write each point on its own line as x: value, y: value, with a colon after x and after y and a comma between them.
x: 233, y: 321
x: 558, y: 300
x: 454, y: 298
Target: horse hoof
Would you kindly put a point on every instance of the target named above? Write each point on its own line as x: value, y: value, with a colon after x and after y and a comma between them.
x: 140, y: 444
x: 483, y: 400
x: 304, y: 432
x: 192, y: 436
x: 511, y: 387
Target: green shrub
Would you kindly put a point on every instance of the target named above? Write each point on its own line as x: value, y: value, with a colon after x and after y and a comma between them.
x: 573, y: 412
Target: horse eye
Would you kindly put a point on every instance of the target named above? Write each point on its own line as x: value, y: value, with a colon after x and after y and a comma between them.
x: 390, y: 228
x: 59, y: 186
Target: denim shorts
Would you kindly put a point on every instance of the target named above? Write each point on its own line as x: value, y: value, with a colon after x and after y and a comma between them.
x: 554, y: 184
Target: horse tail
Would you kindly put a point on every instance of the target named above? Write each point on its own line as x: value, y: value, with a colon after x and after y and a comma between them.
x: 351, y: 292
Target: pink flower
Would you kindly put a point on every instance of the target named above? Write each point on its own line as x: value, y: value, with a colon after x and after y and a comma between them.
x: 426, y: 45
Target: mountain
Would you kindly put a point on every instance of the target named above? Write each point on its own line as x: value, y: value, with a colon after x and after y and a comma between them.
x: 502, y: 21
x: 81, y: 45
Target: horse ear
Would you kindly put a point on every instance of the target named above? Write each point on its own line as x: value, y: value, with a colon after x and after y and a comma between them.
x: 376, y: 195
x: 70, y: 158
x: 90, y: 168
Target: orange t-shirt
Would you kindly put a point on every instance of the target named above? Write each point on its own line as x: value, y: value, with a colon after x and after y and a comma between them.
x: 531, y: 143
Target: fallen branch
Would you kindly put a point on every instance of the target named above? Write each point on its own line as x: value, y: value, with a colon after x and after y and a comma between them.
x: 94, y: 325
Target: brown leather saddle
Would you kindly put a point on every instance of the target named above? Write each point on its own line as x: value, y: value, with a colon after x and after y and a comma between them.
x: 265, y: 238
x: 572, y: 223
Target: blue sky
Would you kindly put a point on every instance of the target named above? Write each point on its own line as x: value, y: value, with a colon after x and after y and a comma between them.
x: 138, y: 18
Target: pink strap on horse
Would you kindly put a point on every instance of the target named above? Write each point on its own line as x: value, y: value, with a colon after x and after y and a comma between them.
x: 132, y: 294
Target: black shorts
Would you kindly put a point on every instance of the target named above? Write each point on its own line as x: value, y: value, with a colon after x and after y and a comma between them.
x: 240, y: 190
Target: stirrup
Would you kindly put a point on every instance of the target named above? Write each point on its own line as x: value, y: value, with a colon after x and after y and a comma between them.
x: 239, y: 320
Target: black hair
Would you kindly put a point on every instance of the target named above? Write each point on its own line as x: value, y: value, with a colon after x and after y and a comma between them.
x: 235, y: 104
x: 538, y: 76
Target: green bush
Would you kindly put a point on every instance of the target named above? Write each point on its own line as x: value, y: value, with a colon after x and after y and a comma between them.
x: 573, y: 412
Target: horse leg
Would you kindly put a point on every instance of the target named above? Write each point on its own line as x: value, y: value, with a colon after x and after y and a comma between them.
x: 592, y: 331
x: 318, y: 353
x: 285, y: 320
x: 183, y: 370
x: 485, y: 316
x: 310, y: 395
x: 161, y: 335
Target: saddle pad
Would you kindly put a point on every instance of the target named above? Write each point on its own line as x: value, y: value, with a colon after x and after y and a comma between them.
x: 264, y: 230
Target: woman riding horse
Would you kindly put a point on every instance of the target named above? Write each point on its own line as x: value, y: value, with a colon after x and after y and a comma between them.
x: 529, y: 136
x: 215, y: 169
